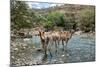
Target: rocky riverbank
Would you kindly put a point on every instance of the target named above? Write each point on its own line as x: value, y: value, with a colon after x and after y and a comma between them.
x: 22, y: 54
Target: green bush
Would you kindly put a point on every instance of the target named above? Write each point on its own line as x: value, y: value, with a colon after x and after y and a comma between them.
x: 87, y: 20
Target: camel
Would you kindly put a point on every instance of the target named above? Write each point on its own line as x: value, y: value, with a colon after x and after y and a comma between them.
x: 54, y: 37
x: 46, y: 38
x: 65, y: 36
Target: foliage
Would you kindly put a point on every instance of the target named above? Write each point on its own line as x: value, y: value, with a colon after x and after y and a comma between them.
x: 24, y: 17
x: 87, y: 20
x: 20, y: 17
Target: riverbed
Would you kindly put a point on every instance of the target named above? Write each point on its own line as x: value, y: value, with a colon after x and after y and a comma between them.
x: 80, y: 48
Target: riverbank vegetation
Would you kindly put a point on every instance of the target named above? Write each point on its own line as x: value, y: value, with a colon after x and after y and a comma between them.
x: 77, y: 17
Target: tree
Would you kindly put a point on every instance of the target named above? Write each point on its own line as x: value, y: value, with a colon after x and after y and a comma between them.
x: 69, y: 21
x: 20, y: 17
x: 55, y: 19
x: 87, y: 19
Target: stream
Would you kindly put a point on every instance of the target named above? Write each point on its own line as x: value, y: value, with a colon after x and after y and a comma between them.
x: 79, y: 49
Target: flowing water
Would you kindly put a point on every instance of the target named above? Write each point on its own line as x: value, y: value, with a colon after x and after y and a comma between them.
x: 79, y: 49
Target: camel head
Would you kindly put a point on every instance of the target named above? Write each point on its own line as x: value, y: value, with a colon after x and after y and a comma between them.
x: 42, y: 34
x: 72, y: 31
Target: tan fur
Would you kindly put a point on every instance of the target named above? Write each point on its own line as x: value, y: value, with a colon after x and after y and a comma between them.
x: 65, y: 36
x: 54, y: 37
x: 45, y: 39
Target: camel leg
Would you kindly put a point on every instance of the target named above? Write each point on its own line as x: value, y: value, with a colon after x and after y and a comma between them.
x: 45, y: 50
x: 56, y: 46
x: 43, y: 44
x: 63, y: 44
x: 58, y: 43
x: 44, y: 47
x: 67, y: 42
x: 51, y: 43
x: 50, y: 52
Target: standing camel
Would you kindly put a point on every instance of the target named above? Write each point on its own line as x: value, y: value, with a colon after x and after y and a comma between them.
x: 46, y: 38
x: 56, y: 38
x: 65, y: 36
x: 43, y: 40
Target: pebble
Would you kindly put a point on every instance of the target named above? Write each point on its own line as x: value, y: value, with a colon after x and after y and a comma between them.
x: 12, y: 57
x: 16, y: 49
x: 63, y: 55
x: 24, y: 47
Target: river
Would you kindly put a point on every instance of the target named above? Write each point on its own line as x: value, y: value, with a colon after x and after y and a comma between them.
x: 79, y: 48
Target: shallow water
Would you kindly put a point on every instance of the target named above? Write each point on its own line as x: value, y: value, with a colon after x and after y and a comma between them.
x: 79, y: 49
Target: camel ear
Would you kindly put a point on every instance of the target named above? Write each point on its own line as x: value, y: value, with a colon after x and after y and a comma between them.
x: 39, y: 32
